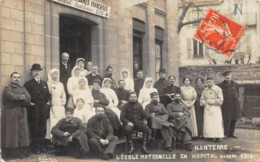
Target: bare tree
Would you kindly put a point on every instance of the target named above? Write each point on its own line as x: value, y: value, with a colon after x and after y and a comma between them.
x: 186, y: 6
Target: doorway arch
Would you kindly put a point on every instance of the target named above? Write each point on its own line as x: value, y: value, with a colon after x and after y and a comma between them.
x: 98, y: 35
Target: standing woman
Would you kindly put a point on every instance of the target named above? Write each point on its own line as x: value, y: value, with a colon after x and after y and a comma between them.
x: 129, y: 83
x: 111, y: 96
x: 81, y: 63
x: 189, y: 95
x: 72, y: 85
x: 144, y: 94
x: 199, y: 87
x: 58, y: 100
x: 84, y: 92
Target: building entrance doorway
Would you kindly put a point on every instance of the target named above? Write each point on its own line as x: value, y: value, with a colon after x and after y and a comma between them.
x: 75, y: 38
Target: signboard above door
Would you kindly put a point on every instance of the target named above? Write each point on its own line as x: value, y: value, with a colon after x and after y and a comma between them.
x: 87, y: 6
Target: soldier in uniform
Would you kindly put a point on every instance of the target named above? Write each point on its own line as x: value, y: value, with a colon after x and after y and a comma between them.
x: 69, y: 136
x: 133, y: 118
x: 157, y: 119
x: 231, y: 110
x: 101, y: 136
x: 179, y: 115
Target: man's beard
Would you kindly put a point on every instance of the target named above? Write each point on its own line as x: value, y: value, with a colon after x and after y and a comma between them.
x: 132, y: 101
x: 101, y: 116
x: 109, y: 74
x: 177, y: 100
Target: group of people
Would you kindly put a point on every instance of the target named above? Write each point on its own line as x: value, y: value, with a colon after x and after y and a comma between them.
x: 80, y: 111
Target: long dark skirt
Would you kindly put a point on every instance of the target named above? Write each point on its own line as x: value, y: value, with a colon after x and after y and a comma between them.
x: 199, y: 117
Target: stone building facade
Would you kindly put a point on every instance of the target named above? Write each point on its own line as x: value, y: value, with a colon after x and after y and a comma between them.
x: 37, y: 31
x: 244, y: 12
x: 195, y: 59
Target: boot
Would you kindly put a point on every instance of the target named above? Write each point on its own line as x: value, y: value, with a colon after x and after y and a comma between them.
x: 131, y: 151
x: 144, y: 149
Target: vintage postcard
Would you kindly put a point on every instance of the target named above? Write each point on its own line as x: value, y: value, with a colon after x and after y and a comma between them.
x: 130, y: 80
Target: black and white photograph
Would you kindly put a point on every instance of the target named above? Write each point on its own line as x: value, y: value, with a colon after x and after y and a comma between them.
x: 130, y: 80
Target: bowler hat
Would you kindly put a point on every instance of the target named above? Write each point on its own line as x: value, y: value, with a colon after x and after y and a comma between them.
x: 36, y: 67
x: 226, y: 73
x: 162, y: 71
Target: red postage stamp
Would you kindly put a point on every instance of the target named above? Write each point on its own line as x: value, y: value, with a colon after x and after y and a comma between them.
x: 220, y: 33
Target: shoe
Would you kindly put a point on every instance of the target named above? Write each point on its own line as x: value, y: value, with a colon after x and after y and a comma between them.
x: 110, y: 155
x: 37, y: 151
x: 104, y: 156
x: 169, y: 149
x: 144, y: 149
x: 188, y: 147
x: 232, y: 136
x: 131, y: 151
x: 216, y: 140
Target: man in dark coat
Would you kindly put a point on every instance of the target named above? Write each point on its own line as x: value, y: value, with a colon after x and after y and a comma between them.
x: 133, y: 118
x: 169, y: 91
x: 100, y: 133
x: 69, y: 136
x: 38, y: 113
x: 179, y: 115
x: 139, y: 81
x: 122, y: 94
x: 231, y: 110
x: 65, y: 71
x: 136, y: 69
x: 109, y: 73
x: 161, y: 83
x: 93, y: 75
x: 14, y: 127
x: 157, y: 119
x: 100, y: 100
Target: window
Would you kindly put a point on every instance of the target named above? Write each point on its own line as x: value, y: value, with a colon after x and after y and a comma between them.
x: 197, y: 49
x: 138, y: 34
x: 158, y: 59
x: 138, y: 51
x: 158, y: 50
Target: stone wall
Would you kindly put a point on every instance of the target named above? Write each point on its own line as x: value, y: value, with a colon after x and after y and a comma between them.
x: 243, y: 74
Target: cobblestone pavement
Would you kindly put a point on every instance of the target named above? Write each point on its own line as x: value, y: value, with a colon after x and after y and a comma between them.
x: 245, y: 149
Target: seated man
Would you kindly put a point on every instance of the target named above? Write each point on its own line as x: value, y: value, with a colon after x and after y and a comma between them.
x: 179, y: 115
x: 122, y: 94
x: 133, y: 118
x: 158, y: 116
x: 100, y: 133
x: 69, y: 135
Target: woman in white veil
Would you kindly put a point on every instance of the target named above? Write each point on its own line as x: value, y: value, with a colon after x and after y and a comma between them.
x: 144, y: 94
x: 84, y: 92
x: 81, y: 63
x: 58, y: 100
x: 129, y: 83
x: 72, y: 85
x: 111, y: 96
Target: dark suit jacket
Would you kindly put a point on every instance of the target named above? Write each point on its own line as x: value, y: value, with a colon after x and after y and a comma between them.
x: 39, y: 92
x: 64, y: 75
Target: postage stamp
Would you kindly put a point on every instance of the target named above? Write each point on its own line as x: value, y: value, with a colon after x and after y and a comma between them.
x: 220, y: 33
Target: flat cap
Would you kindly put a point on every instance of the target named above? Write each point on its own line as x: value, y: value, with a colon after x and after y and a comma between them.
x: 226, y: 73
